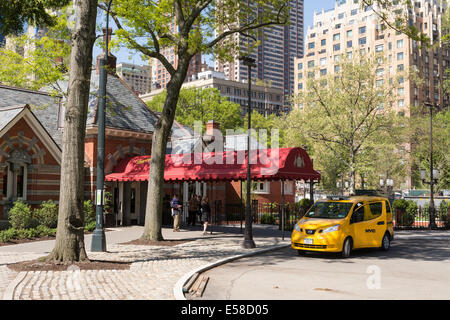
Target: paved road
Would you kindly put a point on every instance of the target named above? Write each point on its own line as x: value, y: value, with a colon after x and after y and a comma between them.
x: 153, y: 273
x: 416, y: 267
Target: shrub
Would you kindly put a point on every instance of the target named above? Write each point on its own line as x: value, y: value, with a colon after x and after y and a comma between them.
x: 267, y: 219
x: 20, y: 216
x: 89, y: 212
x: 46, y: 231
x: 47, y: 214
x: 7, y: 235
x: 27, y: 233
x: 90, y: 226
x: 410, y: 215
x: 400, y: 204
x: 443, y: 213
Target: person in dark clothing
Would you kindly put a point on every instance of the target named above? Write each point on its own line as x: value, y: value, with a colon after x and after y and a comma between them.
x: 193, y: 209
x: 206, y: 211
x: 176, y: 212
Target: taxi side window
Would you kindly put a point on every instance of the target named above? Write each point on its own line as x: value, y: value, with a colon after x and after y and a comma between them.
x: 388, y: 207
x: 376, y: 209
x: 358, y: 213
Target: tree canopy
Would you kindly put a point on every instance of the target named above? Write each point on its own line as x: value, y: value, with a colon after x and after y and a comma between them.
x: 14, y: 15
x: 196, y: 104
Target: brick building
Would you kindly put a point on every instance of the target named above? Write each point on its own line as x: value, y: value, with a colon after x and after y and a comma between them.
x: 31, y: 125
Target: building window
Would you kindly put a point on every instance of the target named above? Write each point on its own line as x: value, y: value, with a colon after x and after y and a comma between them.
x: 349, y: 44
x: 261, y: 187
x: 379, y: 48
x: 311, y: 64
x: 349, y: 33
x: 300, y: 66
x: 323, y: 61
x: 337, y: 47
x: 400, y: 56
x: 362, y: 30
x: 336, y: 37
x: 323, y: 42
x: 323, y: 72
x: 399, y: 44
x: 311, y: 45
x: 288, y: 187
x: 362, y: 41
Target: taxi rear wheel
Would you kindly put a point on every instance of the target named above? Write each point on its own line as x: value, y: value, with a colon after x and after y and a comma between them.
x: 347, y: 248
x: 386, y: 242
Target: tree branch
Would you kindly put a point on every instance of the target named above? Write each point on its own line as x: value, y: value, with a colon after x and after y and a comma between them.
x: 145, y: 50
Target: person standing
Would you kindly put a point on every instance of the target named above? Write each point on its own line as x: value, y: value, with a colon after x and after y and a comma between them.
x: 176, y: 210
x: 193, y: 209
x: 206, y: 211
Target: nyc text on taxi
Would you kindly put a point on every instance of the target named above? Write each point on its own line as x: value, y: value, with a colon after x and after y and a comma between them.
x: 341, y: 224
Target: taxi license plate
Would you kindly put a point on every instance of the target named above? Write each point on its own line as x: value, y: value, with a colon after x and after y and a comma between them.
x: 308, y: 241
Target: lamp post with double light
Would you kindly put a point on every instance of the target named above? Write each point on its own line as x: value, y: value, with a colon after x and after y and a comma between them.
x: 434, y: 173
x: 248, y: 233
x: 98, y: 243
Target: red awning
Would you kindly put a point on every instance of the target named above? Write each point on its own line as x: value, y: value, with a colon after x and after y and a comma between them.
x: 270, y: 164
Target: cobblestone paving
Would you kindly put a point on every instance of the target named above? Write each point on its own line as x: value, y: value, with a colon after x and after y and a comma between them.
x: 153, y: 273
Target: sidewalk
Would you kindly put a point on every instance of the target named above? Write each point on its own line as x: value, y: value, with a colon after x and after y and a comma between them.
x: 153, y: 273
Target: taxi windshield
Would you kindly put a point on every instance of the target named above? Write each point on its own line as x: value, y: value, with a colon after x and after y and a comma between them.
x: 329, y: 210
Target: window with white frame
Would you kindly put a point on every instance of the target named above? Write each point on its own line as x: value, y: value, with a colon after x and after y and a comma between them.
x: 261, y: 187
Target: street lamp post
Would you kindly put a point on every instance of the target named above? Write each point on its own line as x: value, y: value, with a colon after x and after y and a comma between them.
x: 433, y: 173
x: 248, y: 233
x: 98, y: 243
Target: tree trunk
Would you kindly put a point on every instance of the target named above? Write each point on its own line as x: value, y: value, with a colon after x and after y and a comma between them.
x: 69, y: 246
x: 352, y: 173
x: 161, y: 135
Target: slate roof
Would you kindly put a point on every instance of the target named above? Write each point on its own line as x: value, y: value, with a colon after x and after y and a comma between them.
x: 45, y: 107
x: 124, y: 109
x: 8, y: 114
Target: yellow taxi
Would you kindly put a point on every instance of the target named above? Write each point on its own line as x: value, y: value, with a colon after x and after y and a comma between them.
x: 341, y: 224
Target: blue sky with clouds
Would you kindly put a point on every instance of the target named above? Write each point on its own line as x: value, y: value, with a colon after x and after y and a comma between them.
x: 309, y: 5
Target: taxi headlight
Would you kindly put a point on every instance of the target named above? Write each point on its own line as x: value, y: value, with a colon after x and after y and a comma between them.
x: 331, y: 229
x: 297, y: 227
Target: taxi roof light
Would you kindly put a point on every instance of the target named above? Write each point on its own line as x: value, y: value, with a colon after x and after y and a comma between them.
x: 338, y: 198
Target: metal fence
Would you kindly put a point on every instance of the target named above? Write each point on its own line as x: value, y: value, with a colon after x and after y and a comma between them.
x: 420, y: 218
x: 270, y: 213
x: 264, y: 213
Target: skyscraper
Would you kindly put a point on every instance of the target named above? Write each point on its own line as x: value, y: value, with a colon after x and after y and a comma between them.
x: 160, y: 76
x: 349, y: 29
x: 275, y: 56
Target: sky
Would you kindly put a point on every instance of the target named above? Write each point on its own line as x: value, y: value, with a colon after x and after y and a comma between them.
x: 309, y: 6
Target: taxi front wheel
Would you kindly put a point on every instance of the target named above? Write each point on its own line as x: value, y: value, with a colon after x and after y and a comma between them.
x: 347, y: 248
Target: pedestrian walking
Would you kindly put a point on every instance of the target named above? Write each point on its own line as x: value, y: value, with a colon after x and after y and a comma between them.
x: 206, y: 211
x: 192, y: 210
x: 176, y: 213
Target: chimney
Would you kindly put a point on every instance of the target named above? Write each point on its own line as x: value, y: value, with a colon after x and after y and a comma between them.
x: 210, y: 126
x: 112, y: 60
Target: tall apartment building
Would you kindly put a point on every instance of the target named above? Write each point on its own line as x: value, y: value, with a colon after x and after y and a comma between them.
x: 280, y: 45
x: 160, y: 76
x: 266, y: 100
x: 348, y: 29
x: 138, y: 78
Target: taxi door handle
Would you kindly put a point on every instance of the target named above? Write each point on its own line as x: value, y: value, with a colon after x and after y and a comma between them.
x: 380, y: 223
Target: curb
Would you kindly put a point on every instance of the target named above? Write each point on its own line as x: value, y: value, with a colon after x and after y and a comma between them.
x: 178, y: 288
x: 9, y: 292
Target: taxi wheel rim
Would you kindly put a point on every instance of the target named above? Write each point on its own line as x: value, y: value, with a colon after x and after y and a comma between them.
x: 386, y: 243
x: 347, y: 247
